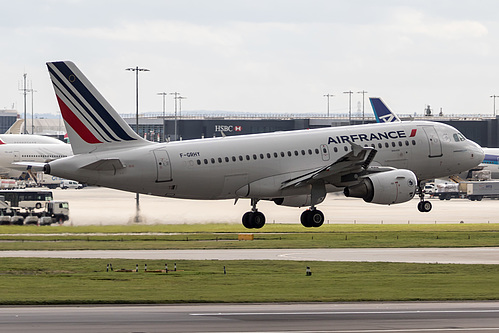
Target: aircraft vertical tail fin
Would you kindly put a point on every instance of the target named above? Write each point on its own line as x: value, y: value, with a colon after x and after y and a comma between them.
x: 91, y: 122
x: 382, y: 112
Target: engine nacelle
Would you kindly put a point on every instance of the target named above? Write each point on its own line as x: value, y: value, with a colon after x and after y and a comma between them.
x: 296, y: 201
x: 385, y: 188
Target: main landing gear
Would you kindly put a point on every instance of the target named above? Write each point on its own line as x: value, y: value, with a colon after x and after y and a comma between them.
x: 253, y: 219
x: 424, y: 206
x: 311, y: 218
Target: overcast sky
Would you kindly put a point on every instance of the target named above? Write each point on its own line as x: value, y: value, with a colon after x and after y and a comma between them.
x: 270, y: 56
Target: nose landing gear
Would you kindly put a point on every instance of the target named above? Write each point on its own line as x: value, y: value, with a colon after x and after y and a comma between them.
x: 424, y: 206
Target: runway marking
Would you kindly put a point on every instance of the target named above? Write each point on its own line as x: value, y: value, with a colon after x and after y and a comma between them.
x: 340, y: 312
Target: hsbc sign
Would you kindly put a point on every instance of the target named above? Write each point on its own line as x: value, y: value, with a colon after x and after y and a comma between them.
x: 228, y: 128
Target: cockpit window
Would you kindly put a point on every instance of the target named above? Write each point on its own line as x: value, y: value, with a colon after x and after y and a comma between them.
x: 459, y: 137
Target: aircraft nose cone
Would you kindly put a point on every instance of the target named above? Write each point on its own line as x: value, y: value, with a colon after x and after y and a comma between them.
x: 478, y: 153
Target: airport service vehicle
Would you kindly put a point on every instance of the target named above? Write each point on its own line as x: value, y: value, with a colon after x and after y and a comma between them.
x: 53, y: 182
x: 380, y: 163
x: 447, y: 191
x: 65, y: 184
x: 480, y: 189
x: 49, y: 181
x: 31, y: 207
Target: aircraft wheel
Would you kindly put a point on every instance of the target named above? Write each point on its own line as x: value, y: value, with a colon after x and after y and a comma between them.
x: 247, y: 220
x: 305, y: 219
x: 254, y: 220
x: 312, y: 218
x: 316, y: 218
x: 258, y: 220
x: 424, y: 206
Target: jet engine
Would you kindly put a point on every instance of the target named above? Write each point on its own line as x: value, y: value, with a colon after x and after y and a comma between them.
x: 296, y: 201
x: 385, y: 188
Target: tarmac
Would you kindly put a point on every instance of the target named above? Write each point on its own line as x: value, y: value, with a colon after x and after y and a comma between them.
x: 103, y: 206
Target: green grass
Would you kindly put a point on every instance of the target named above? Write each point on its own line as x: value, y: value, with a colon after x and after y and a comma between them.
x: 84, y: 281
x: 237, y: 228
x: 224, y: 236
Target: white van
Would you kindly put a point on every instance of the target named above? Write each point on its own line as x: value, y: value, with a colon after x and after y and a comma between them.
x: 65, y: 184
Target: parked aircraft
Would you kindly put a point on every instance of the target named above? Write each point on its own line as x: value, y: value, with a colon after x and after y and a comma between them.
x: 18, y: 157
x: 381, y: 164
x: 490, y: 161
x: 28, y: 139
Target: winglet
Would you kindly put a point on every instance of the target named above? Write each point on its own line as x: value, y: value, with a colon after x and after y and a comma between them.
x: 382, y: 112
x: 91, y: 122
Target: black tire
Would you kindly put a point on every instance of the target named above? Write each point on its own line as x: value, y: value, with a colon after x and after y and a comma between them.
x: 305, y: 219
x: 257, y: 220
x: 38, y: 205
x: 247, y: 220
x: 420, y: 205
x: 316, y: 218
x: 426, y: 205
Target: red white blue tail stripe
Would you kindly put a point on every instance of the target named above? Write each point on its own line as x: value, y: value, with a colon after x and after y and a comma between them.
x: 85, y: 110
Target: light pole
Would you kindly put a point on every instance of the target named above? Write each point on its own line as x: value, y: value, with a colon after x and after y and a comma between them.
x: 328, y: 96
x: 137, y: 70
x: 180, y: 98
x: 349, y: 106
x: 176, y: 94
x: 32, y: 91
x: 25, y: 91
x: 494, y: 96
x: 363, y: 92
x: 164, y: 111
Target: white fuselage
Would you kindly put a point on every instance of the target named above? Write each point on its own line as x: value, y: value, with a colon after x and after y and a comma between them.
x: 256, y: 165
x: 29, y: 153
x: 28, y: 139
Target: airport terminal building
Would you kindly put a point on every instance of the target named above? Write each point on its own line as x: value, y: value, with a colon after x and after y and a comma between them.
x: 483, y: 131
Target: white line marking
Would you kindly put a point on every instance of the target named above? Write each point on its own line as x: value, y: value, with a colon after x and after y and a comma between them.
x: 340, y: 312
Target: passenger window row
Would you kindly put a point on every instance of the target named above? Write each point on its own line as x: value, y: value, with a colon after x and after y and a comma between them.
x: 261, y: 156
x: 290, y: 153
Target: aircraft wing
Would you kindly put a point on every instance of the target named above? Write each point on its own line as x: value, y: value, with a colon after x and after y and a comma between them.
x: 357, y: 160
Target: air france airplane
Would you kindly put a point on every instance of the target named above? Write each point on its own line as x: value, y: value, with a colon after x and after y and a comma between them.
x: 383, y: 114
x: 381, y: 164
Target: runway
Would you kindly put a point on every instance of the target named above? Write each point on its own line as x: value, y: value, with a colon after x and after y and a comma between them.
x: 482, y: 255
x: 304, y: 318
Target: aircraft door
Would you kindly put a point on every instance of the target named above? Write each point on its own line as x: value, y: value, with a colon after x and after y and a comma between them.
x: 325, y: 152
x: 433, y: 141
x: 16, y: 156
x: 163, y: 166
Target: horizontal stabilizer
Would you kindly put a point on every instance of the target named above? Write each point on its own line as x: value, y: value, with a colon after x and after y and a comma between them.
x: 33, y: 165
x: 108, y: 164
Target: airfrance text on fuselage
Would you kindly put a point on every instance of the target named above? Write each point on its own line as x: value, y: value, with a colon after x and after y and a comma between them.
x: 367, y: 137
